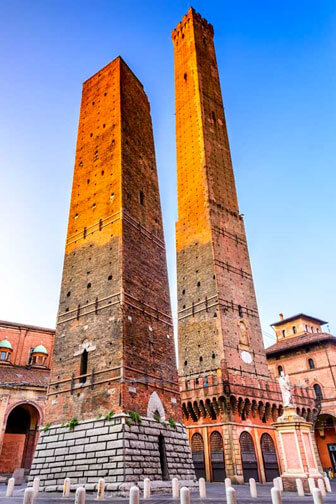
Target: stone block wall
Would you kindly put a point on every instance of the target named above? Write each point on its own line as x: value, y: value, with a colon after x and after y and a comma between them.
x: 120, y: 453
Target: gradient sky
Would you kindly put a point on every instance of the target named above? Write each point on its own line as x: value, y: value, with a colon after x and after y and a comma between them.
x: 277, y: 64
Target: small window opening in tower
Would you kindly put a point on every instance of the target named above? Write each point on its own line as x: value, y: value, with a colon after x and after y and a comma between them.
x: 213, y: 356
x: 102, y: 172
x: 280, y: 370
x: 240, y: 311
x: 201, y: 359
x: 185, y: 362
x: 163, y: 458
x: 213, y: 116
x: 198, y: 284
x: 88, y: 285
x: 84, y: 233
x: 83, y: 366
x: 69, y: 294
x: 142, y: 198
x: 283, y: 332
x: 311, y: 364
x: 183, y: 292
x: 185, y: 76
x: 294, y: 329
x: 109, y: 277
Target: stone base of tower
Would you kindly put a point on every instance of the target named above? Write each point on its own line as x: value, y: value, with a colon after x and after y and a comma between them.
x: 119, y: 450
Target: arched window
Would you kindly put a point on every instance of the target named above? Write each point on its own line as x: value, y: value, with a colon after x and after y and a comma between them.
x: 280, y: 370
x: 311, y: 364
x: 318, y: 391
x: 294, y: 329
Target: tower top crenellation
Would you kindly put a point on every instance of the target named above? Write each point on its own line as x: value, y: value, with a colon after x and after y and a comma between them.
x: 191, y: 16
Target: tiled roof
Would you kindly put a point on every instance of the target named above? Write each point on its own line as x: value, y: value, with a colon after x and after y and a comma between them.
x: 299, y: 315
x: 303, y: 340
x: 21, y: 375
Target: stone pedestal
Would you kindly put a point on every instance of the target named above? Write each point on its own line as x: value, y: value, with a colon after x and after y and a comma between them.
x: 295, y: 440
x: 119, y: 450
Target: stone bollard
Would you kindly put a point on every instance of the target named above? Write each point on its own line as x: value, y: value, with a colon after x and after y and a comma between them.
x: 28, y: 496
x: 280, y: 484
x: 202, y: 489
x: 227, y: 482
x: 134, y: 495
x: 80, y: 495
x: 147, y: 488
x: 311, y: 483
x: 231, y: 496
x: 175, y: 488
x: 10, y: 487
x: 185, y: 495
x: 66, y: 487
x: 253, y: 487
x: 317, y: 496
x: 276, y: 483
x: 299, y: 487
x: 320, y: 484
x: 327, y: 483
x: 276, y: 495
x: 101, y: 489
x: 36, y: 485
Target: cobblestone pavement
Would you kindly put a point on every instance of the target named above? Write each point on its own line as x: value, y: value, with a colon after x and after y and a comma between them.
x: 215, y: 494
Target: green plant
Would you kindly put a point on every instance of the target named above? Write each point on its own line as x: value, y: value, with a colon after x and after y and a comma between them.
x: 172, y: 423
x: 99, y: 416
x: 157, y: 417
x: 109, y: 415
x: 72, y: 424
x: 46, y: 427
x: 128, y: 422
x: 135, y: 416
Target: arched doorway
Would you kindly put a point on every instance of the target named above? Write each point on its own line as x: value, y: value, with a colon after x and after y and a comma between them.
x: 217, y: 457
x: 325, y: 435
x: 20, y: 438
x: 197, y: 450
x: 248, y: 456
x: 269, y: 457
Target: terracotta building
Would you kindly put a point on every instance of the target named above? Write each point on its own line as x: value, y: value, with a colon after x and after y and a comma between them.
x: 307, y: 353
x: 25, y: 357
x: 114, y: 355
x: 229, y: 398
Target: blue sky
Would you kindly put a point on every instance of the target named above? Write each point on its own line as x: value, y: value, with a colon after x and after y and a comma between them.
x: 277, y: 63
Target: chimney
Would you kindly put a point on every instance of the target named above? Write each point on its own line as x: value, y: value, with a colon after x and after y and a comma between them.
x: 280, y: 316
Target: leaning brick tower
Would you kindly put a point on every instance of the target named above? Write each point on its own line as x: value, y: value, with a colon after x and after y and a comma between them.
x: 114, y: 358
x: 217, y: 307
x: 225, y: 384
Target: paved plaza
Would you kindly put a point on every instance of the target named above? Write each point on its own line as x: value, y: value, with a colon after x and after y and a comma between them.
x: 215, y: 493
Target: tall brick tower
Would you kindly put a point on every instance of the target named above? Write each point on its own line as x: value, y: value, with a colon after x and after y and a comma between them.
x: 229, y: 400
x: 217, y: 307
x: 114, y: 348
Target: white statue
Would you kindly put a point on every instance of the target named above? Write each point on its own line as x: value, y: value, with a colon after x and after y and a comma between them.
x: 285, y: 387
